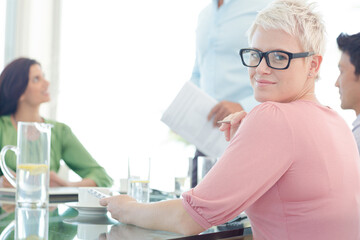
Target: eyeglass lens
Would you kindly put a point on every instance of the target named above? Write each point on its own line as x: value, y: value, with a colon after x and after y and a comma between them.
x: 275, y: 59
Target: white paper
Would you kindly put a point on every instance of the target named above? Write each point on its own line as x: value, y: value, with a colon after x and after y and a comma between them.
x: 187, y: 116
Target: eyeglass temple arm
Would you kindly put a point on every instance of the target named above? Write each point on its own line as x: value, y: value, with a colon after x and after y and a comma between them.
x: 301, y: 55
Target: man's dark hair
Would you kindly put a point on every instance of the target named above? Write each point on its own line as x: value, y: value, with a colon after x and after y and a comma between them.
x: 350, y: 44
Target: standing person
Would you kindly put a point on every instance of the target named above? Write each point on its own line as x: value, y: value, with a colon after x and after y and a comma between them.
x: 292, y: 165
x: 348, y: 81
x: 220, y: 33
x: 23, y: 89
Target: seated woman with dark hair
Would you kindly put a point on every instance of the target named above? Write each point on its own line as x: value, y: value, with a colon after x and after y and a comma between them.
x: 23, y: 89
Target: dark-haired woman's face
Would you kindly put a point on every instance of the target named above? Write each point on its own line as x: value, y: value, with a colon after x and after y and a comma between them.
x: 37, y: 89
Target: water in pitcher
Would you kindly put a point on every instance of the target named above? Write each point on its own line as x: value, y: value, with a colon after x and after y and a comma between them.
x: 32, y: 184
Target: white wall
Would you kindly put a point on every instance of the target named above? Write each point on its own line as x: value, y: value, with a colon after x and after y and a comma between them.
x: 32, y: 30
x: 121, y: 65
x: 2, y: 32
x: 339, y: 16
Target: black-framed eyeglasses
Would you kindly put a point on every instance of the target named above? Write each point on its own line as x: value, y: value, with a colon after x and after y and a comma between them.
x: 274, y: 59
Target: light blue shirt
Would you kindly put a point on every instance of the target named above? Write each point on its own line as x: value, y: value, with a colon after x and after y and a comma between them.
x: 220, y: 34
x: 356, y: 131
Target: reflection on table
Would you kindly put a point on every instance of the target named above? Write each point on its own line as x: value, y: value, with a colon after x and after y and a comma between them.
x: 60, y: 221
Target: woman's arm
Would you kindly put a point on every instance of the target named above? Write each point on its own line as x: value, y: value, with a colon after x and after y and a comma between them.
x: 81, y: 162
x: 168, y: 215
x: 4, y: 183
x: 56, y: 181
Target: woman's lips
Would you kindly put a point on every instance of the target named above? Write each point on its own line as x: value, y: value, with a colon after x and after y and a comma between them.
x: 261, y: 83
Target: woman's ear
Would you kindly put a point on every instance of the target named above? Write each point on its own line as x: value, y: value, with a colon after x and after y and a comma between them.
x: 21, y: 98
x: 315, y: 63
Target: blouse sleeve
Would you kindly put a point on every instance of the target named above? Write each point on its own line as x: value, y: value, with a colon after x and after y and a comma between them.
x: 80, y: 161
x: 258, y: 155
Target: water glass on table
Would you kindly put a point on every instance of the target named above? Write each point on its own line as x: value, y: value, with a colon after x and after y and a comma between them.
x: 182, y: 184
x: 182, y: 173
x: 204, y: 165
x: 139, y: 178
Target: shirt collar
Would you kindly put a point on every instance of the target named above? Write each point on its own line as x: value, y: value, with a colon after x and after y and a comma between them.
x: 357, y: 121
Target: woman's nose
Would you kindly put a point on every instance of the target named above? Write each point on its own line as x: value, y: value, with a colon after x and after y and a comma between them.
x: 263, y: 67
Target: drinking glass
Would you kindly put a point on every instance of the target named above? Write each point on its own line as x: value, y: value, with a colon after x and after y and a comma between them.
x: 204, y: 166
x: 182, y: 176
x: 139, y: 178
x: 32, y: 166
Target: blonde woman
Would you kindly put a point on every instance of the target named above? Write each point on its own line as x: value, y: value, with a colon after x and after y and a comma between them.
x: 292, y: 165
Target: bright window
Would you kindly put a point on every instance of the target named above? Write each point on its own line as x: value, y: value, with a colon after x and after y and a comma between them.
x: 339, y: 16
x: 122, y: 62
x: 2, y: 32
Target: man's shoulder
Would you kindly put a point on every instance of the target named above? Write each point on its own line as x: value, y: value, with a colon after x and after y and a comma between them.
x: 205, y: 12
x: 356, y: 123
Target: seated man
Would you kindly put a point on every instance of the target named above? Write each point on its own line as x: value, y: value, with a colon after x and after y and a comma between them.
x: 348, y: 81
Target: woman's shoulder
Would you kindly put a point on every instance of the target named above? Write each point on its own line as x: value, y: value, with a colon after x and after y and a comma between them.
x: 281, y: 112
x: 292, y: 113
x: 267, y: 108
x: 5, y: 121
x: 295, y: 106
x: 5, y: 118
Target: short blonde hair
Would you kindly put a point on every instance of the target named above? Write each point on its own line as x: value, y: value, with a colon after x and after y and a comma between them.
x: 297, y: 18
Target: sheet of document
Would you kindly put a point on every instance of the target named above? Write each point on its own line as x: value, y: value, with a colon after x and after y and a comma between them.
x: 187, y: 116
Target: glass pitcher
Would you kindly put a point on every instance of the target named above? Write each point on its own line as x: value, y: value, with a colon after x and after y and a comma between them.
x: 32, y: 165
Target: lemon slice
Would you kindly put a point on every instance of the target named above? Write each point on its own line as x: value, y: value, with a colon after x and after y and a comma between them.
x: 139, y: 181
x: 34, y: 169
x: 32, y: 237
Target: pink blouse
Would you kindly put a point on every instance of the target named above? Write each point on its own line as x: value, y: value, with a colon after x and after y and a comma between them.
x: 294, y: 168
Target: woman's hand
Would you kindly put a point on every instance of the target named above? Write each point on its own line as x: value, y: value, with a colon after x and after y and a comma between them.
x: 56, y: 181
x: 9, y: 208
x: 4, y: 182
x: 117, y: 206
x: 230, y: 129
